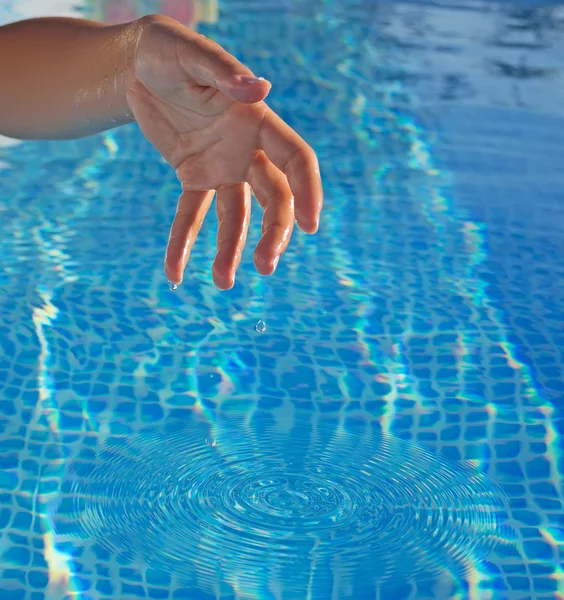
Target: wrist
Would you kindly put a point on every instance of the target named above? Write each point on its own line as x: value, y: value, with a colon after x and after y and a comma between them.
x: 126, y: 76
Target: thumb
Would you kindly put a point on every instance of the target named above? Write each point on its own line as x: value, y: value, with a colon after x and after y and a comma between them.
x: 207, y: 63
x: 245, y: 88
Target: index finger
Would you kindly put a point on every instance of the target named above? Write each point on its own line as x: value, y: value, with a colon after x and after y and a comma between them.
x: 292, y: 155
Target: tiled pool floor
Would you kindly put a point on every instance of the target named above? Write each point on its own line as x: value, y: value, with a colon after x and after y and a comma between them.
x: 429, y: 307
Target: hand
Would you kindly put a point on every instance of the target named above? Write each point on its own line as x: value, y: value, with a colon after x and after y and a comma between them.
x: 204, y: 112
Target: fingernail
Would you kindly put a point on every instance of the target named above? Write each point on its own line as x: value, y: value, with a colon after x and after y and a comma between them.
x: 275, y: 263
x: 250, y: 79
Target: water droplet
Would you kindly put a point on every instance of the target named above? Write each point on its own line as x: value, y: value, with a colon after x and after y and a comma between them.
x: 260, y: 326
x: 211, y: 442
x: 172, y: 286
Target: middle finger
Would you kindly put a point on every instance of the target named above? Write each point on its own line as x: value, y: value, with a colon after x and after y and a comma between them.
x: 271, y: 188
x: 233, y: 212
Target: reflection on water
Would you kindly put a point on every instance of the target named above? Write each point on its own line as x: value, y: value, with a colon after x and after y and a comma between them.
x: 483, y: 53
x: 188, y: 12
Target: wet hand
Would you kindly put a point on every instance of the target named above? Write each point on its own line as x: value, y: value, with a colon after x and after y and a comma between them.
x: 204, y: 112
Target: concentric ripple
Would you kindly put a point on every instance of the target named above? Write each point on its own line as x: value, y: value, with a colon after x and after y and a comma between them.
x: 314, y: 507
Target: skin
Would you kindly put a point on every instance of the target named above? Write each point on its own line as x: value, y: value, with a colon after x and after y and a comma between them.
x: 201, y: 108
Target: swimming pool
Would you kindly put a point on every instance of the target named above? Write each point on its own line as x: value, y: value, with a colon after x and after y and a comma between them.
x: 301, y: 436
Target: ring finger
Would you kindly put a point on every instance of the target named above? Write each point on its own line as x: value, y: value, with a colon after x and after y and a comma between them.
x: 271, y: 189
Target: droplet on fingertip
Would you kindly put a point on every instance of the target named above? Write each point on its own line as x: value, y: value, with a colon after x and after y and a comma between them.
x: 172, y: 286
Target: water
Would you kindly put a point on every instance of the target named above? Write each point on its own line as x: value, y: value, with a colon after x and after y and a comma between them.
x: 396, y: 430
x: 259, y: 496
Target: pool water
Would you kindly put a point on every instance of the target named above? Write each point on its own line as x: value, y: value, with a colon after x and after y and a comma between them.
x: 382, y: 418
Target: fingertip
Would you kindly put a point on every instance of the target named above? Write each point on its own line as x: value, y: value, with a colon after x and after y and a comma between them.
x: 307, y: 217
x: 313, y: 228
x: 265, y: 266
x: 248, y: 88
x: 222, y: 286
x: 173, y: 266
x: 173, y: 275
x: 309, y: 226
x: 223, y: 282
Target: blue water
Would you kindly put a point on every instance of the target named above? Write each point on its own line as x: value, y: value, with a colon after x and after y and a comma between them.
x: 396, y: 429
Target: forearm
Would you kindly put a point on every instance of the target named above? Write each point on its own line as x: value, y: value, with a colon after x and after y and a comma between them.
x: 64, y: 78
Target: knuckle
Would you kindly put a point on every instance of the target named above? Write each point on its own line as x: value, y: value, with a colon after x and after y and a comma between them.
x: 302, y: 164
x: 193, y: 177
x: 231, y: 217
x: 277, y: 231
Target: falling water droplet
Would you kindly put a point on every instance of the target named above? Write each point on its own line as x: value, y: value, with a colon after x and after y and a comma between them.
x: 211, y: 442
x: 172, y: 286
x: 260, y: 326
